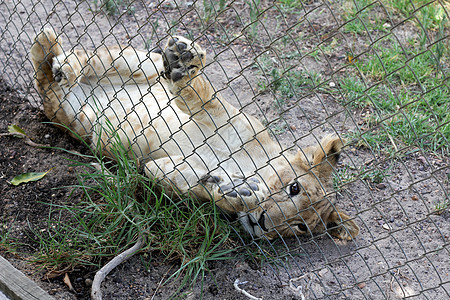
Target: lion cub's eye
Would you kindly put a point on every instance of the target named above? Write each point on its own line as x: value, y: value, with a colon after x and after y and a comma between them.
x: 294, y: 189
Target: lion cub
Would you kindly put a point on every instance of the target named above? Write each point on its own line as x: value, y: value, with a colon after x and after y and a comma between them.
x: 191, y: 140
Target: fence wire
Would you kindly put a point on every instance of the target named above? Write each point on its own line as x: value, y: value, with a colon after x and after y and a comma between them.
x: 374, y: 73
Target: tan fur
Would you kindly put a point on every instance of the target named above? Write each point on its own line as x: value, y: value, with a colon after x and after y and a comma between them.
x: 191, y: 140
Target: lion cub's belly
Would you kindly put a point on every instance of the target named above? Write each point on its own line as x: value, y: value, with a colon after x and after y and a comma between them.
x: 152, y: 126
x: 145, y: 120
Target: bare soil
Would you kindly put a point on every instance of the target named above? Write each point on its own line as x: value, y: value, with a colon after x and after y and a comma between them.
x: 402, y: 250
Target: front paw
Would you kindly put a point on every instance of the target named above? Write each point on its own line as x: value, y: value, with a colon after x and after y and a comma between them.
x: 346, y: 231
x: 182, y: 59
x: 241, y: 195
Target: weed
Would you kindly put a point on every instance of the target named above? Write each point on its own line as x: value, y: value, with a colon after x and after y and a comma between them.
x: 113, y: 7
x: 343, y: 176
x: 375, y: 175
x: 361, y: 17
x: 212, y: 8
x: 254, y: 15
x: 150, y: 42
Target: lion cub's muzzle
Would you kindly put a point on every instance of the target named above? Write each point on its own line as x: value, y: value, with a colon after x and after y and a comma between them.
x: 254, y: 222
x: 260, y: 224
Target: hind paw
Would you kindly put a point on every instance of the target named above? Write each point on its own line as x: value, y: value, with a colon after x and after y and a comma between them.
x: 64, y: 73
x: 46, y: 43
x: 182, y: 59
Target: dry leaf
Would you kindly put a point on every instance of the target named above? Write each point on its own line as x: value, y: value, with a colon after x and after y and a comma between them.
x: 67, y: 282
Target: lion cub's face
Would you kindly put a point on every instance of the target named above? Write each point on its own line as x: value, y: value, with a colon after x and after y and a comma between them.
x: 296, y: 204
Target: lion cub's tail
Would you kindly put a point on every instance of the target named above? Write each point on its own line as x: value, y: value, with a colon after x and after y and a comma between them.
x: 45, y: 47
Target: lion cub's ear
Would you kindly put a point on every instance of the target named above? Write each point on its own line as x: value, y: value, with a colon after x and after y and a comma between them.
x: 326, y: 155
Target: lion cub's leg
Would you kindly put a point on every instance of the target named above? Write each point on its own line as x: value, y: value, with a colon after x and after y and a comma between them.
x: 46, y: 46
x: 195, y: 96
x: 232, y: 195
x: 112, y: 66
x: 62, y: 100
x: 341, y: 226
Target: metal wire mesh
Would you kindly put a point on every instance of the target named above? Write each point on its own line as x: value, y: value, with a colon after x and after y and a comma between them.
x: 372, y: 72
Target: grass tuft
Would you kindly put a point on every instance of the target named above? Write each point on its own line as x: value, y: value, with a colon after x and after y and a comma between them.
x: 120, y: 205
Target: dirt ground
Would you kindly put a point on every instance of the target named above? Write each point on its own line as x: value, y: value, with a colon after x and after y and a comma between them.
x: 402, y: 250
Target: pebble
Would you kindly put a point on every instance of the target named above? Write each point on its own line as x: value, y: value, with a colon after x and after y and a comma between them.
x: 323, y: 272
x: 381, y: 186
x: 399, y: 224
x: 387, y: 227
x: 88, y: 282
x: 422, y: 159
x: 47, y: 136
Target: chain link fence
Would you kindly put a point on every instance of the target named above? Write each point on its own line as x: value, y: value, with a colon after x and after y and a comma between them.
x: 374, y: 73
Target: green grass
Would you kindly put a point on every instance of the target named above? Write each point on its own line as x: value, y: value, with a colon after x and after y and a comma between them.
x: 212, y: 8
x: 285, y: 85
x: 120, y: 205
x: 363, y: 17
x: 253, y: 11
x: 347, y: 174
x: 114, y: 7
x: 402, y: 84
x: 407, y: 92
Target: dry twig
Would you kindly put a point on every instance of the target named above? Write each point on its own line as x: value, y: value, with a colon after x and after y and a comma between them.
x: 101, y: 274
x: 160, y: 283
x: 27, y: 140
x: 236, y: 284
x: 299, y: 289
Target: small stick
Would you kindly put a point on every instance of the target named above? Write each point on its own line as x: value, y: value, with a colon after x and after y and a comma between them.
x: 299, y: 289
x: 101, y: 274
x: 392, y: 142
x: 160, y: 283
x: 26, y: 139
x: 236, y: 284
